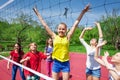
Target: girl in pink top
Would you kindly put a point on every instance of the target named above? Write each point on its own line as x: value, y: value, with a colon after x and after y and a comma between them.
x: 48, y: 52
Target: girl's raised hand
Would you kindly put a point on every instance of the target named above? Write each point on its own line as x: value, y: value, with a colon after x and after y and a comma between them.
x: 97, y: 23
x: 88, y: 28
x: 106, y: 54
x: 35, y: 10
x: 86, y: 8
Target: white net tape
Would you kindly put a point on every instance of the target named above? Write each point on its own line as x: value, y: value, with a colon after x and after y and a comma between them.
x: 5, y: 4
x: 33, y: 71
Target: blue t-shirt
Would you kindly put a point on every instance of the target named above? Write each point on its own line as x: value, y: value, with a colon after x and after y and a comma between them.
x: 49, y: 51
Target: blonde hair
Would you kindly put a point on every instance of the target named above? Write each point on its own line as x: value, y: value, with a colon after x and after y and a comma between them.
x: 63, y: 24
x: 32, y: 43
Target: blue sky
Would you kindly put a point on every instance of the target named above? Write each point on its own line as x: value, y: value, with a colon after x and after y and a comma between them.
x: 53, y: 10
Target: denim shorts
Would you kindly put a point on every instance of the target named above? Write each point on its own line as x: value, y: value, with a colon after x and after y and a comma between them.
x: 95, y: 73
x: 60, y: 66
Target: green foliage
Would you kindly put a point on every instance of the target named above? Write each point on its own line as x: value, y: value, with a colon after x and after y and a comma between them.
x: 75, y: 38
x: 3, y: 30
x: 22, y: 28
x: 111, y: 29
x: 27, y: 30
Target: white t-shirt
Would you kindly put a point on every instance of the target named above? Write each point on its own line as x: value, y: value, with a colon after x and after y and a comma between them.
x: 91, y: 63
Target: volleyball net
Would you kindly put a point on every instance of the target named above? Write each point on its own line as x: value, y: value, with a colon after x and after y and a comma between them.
x: 26, y: 68
x: 55, y: 11
x: 16, y: 12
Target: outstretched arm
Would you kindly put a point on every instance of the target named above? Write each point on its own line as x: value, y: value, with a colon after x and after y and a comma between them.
x: 99, y: 29
x: 25, y: 59
x: 82, y: 33
x: 96, y: 56
x: 52, y: 34
x: 114, y: 75
x: 107, y: 64
x: 102, y: 43
x: 77, y: 21
x: 111, y: 69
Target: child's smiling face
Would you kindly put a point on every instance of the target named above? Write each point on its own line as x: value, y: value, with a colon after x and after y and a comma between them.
x: 33, y: 47
x: 62, y: 30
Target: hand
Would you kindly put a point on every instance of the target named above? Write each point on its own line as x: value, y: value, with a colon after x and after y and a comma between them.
x: 27, y: 58
x: 106, y: 54
x: 48, y: 56
x: 88, y: 28
x: 35, y: 10
x: 8, y: 67
x: 86, y: 8
x: 101, y: 44
x: 104, y: 42
x: 97, y: 23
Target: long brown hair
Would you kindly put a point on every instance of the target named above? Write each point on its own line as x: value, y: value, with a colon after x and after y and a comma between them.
x: 19, y: 50
x: 19, y: 47
x: 48, y: 43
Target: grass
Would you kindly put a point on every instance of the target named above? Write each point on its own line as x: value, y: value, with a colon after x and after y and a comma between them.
x: 5, y: 53
x: 81, y: 49
x: 77, y: 48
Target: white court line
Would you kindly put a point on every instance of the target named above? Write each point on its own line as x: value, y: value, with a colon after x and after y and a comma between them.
x: 5, y: 4
x: 31, y: 70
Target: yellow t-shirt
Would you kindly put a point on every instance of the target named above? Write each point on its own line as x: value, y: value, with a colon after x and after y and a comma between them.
x: 60, y: 49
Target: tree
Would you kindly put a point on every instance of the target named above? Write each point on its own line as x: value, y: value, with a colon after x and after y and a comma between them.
x: 4, y: 25
x: 24, y: 21
x: 111, y: 27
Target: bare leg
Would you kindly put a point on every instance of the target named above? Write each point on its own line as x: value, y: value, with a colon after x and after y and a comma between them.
x: 55, y: 76
x: 89, y: 77
x: 96, y: 78
x: 65, y: 75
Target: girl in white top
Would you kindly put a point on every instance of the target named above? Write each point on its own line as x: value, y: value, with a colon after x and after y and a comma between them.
x: 92, y: 67
x: 114, y: 68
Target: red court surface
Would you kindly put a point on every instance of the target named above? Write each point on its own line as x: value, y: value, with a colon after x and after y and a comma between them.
x: 77, y: 62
